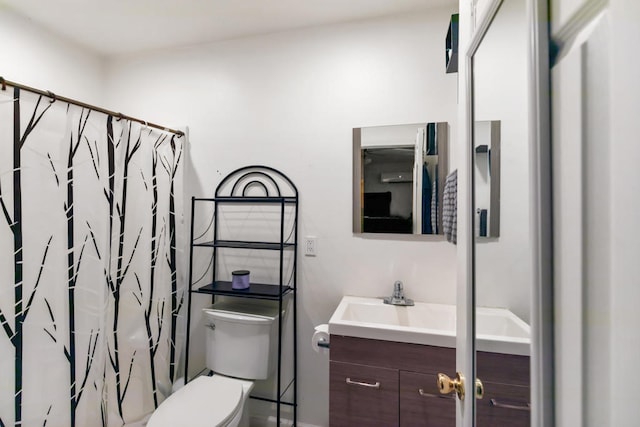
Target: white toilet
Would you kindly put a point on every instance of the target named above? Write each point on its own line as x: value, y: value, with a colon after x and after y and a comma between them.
x: 241, y: 344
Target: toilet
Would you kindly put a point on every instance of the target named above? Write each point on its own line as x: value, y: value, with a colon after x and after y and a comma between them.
x: 241, y: 340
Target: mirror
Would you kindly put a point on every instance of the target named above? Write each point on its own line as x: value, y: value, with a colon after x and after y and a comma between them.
x: 399, y: 173
x: 486, y: 156
x: 502, y: 250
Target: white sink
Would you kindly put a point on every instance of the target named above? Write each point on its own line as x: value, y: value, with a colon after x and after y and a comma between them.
x: 497, y: 330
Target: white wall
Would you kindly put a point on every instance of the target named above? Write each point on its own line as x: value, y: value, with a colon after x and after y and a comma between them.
x: 34, y: 57
x: 290, y: 100
x: 385, y: 136
x: 503, y: 265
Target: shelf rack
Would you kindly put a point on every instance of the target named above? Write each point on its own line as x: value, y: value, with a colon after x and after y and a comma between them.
x: 240, y: 188
x: 451, y: 45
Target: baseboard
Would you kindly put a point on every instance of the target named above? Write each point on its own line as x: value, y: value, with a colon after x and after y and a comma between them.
x: 271, y: 422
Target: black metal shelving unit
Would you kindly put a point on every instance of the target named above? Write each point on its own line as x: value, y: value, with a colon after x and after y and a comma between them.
x: 240, y: 188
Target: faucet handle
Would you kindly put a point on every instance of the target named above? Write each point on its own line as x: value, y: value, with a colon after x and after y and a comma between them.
x: 398, y: 294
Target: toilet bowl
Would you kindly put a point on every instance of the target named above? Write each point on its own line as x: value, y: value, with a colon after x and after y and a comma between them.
x: 239, y: 338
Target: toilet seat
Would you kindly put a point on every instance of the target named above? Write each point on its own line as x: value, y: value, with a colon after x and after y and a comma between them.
x: 203, y: 402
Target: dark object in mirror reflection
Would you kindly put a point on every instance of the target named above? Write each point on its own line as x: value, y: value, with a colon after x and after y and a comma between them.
x: 377, y: 204
x: 482, y: 222
x: 378, y: 218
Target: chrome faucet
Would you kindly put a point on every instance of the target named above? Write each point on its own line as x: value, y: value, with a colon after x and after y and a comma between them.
x: 398, y: 296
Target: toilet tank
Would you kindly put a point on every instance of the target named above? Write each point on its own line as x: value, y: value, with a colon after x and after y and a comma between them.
x: 242, y: 338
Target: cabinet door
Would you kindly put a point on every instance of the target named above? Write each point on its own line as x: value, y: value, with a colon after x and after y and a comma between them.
x: 422, y: 405
x: 362, y: 395
x: 504, y: 405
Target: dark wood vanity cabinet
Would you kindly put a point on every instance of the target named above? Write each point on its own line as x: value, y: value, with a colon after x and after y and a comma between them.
x: 363, y: 395
x: 506, y: 380
x: 401, y: 370
x: 383, y: 383
x: 504, y: 405
x: 421, y: 404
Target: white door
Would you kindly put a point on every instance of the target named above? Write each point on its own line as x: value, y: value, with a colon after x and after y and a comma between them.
x: 586, y: 218
x: 465, y: 306
x: 595, y: 101
x: 581, y: 144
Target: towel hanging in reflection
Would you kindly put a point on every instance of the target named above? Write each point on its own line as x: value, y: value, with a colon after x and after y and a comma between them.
x: 435, y: 227
x: 426, y: 201
x: 450, y: 207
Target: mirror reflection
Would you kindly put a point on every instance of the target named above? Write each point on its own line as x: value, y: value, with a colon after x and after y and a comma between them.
x: 486, y: 154
x: 398, y: 178
x: 502, y: 254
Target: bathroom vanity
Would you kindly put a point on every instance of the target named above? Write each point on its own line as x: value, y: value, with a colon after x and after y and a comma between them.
x: 376, y: 382
x: 381, y: 382
x: 384, y: 383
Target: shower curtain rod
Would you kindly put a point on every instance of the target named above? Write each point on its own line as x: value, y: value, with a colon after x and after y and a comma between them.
x: 4, y: 83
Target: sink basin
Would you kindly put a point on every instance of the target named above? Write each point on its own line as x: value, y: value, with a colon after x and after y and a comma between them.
x: 497, y: 330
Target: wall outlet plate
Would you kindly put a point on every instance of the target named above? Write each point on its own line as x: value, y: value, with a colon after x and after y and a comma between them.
x: 310, y: 246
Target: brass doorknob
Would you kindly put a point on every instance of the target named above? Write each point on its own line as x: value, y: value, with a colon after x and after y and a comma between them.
x: 446, y: 385
x: 479, y: 389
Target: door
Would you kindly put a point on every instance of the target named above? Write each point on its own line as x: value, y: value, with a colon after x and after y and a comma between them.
x: 595, y: 100
x: 583, y: 169
x: 508, y: 267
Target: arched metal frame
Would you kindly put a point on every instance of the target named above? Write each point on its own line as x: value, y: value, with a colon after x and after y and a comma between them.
x: 274, y: 188
x: 256, y: 175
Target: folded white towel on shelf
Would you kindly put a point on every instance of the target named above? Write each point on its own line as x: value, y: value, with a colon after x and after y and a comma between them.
x: 450, y: 207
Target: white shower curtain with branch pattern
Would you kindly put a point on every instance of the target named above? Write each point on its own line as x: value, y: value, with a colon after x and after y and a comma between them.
x: 92, y: 264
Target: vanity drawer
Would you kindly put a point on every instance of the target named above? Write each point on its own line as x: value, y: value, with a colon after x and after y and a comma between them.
x: 503, y: 368
x: 504, y: 405
x: 389, y: 354
x: 362, y: 395
x: 421, y: 404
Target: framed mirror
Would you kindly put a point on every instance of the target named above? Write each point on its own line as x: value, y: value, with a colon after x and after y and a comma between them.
x: 399, y: 173
x: 503, y: 270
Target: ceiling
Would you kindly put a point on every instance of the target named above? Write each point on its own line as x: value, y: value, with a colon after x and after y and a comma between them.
x: 124, y: 26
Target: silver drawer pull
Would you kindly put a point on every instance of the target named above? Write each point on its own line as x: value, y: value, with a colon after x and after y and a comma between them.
x: 525, y: 407
x: 376, y: 385
x: 440, y: 396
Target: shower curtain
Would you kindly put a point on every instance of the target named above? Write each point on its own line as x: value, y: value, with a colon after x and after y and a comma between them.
x: 91, y: 264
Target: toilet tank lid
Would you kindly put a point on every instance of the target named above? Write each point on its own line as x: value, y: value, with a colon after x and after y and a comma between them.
x: 244, y: 312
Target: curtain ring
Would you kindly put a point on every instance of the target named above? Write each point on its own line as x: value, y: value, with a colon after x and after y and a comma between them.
x: 3, y: 83
x: 119, y: 117
x: 52, y: 96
